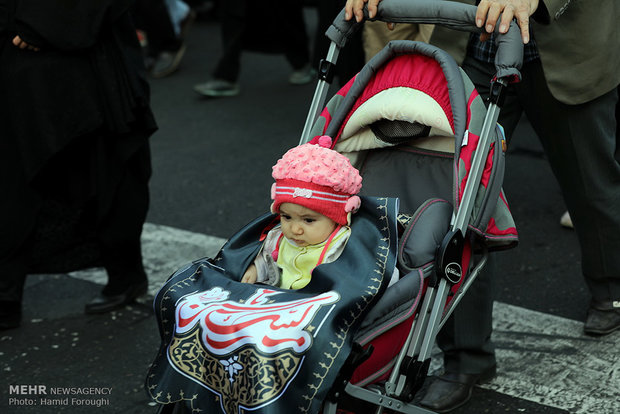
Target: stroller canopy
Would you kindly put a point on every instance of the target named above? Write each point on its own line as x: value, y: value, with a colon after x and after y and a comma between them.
x: 412, y: 92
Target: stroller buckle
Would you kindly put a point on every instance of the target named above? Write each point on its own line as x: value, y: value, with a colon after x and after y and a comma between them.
x: 497, y: 93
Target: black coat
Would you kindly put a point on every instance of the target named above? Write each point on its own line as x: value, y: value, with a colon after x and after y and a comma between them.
x: 81, y: 103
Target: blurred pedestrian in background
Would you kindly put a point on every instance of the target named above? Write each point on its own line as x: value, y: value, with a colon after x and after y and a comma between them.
x: 74, y: 149
x: 351, y: 57
x: 248, y: 25
x: 165, y: 24
x: 181, y: 15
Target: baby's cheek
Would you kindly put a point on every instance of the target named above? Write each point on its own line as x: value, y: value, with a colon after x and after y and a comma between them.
x: 286, y: 230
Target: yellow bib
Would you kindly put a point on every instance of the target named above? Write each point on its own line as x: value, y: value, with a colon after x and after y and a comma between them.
x: 297, y: 262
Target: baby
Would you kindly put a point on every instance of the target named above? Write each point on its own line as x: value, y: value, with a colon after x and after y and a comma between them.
x: 315, y: 195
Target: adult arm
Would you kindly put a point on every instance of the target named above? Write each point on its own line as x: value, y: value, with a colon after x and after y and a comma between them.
x: 67, y: 25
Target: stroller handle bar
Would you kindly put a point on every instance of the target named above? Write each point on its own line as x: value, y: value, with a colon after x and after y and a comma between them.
x: 457, y: 16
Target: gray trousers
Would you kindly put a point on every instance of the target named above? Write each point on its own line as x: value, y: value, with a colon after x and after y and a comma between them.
x: 582, y: 145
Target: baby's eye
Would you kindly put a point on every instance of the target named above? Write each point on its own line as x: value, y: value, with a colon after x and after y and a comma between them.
x: 285, y: 216
x: 309, y: 220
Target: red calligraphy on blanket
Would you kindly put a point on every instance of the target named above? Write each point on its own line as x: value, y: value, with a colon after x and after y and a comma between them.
x: 270, y: 327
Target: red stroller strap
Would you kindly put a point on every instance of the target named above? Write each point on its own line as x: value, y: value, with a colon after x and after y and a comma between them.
x: 275, y: 252
x: 329, y: 240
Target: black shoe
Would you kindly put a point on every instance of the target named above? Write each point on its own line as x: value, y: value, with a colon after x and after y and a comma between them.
x: 106, y: 303
x: 451, y: 390
x: 603, y: 318
x: 10, y: 314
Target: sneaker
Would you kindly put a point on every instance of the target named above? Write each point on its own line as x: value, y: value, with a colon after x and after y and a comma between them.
x: 167, y: 62
x: 216, y: 88
x: 566, y: 221
x: 302, y: 76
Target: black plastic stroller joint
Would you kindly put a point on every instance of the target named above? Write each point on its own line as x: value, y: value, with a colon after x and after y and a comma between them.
x: 497, y: 93
x: 448, y: 258
x: 327, y: 70
x: 415, y: 372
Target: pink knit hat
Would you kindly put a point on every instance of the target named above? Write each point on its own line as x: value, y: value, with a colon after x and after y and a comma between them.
x: 318, y: 178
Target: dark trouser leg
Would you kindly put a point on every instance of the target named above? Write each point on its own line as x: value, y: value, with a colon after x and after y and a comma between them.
x: 465, y: 339
x: 121, y: 228
x: 233, y: 24
x: 14, y: 270
x: 153, y: 17
x: 481, y: 73
x: 580, y: 142
x: 18, y: 213
x: 351, y: 58
x: 296, y: 47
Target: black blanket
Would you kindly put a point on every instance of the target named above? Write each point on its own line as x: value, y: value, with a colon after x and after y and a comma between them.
x: 234, y: 347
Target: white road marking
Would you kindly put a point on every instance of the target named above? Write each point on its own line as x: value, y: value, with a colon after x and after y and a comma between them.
x: 548, y: 360
x: 164, y: 250
x: 541, y: 358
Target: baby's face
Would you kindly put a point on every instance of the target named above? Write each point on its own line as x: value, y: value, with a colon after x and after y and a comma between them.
x: 303, y: 226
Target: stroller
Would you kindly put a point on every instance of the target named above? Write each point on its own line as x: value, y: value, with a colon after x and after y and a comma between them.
x: 432, y: 160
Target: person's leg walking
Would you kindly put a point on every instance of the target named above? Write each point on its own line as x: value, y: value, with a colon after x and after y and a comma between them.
x: 296, y: 42
x: 225, y: 76
x: 580, y: 142
x: 119, y: 237
x: 233, y: 23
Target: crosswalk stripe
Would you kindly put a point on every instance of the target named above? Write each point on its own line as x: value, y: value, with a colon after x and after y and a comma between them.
x: 164, y: 250
x: 547, y: 359
x: 541, y: 358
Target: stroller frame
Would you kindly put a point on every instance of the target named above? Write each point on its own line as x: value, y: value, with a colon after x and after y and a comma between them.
x: 413, y: 361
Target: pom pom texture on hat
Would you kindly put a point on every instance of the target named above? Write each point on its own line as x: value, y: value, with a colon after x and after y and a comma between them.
x: 323, y: 166
x: 318, y: 178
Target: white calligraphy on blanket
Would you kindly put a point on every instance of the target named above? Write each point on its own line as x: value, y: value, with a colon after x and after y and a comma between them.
x: 270, y: 327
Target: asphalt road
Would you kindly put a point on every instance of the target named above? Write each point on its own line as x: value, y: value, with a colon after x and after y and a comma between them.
x: 211, y: 175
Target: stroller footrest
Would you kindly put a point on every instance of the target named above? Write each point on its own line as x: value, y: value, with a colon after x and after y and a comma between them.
x: 383, y: 401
